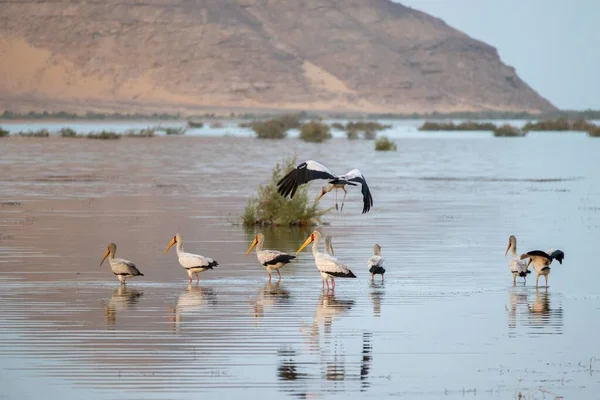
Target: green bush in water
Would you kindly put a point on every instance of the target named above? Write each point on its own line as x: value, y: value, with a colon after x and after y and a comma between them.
x: 315, y: 132
x: 385, y: 144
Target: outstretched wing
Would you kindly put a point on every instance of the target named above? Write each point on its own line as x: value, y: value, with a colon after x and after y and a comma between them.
x: 303, y: 173
x: 356, y: 176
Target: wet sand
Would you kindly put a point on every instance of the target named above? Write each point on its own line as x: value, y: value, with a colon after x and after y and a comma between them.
x: 446, y: 322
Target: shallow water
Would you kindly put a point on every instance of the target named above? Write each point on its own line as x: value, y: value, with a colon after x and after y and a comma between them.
x: 446, y: 322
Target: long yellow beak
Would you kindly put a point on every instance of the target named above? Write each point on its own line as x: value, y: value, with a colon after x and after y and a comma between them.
x: 306, y: 243
x: 254, y: 243
x: 106, y: 253
x: 171, y: 243
x: 507, y: 248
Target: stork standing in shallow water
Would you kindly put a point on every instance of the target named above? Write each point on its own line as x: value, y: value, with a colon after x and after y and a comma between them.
x: 541, y: 262
x: 270, y: 259
x: 122, y: 268
x: 517, y: 266
x: 375, y: 263
x: 311, y: 170
x: 193, y: 263
x: 329, y: 267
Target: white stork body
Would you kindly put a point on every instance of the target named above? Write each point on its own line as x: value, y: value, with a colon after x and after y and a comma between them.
x: 192, y: 263
x: 541, y: 261
x: 516, y: 266
x: 329, y: 267
x: 311, y: 170
x: 270, y: 259
x: 121, y: 267
x: 375, y: 263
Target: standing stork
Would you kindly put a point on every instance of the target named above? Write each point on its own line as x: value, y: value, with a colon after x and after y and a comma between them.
x: 329, y: 266
x: 122, y: 268
x: 311, y: 170
x: 270, y: 259
x: 541, y: 261
x: 375, y: 263
x: 517, y: 266
x: 193, y: 263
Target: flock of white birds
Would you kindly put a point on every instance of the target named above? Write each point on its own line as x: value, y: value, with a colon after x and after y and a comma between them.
x: 327, y: 264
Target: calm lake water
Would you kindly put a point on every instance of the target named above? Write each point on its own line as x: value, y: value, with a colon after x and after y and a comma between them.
x: 446, y: 323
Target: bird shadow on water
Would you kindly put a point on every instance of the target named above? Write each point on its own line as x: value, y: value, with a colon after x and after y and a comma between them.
x: 376, y: 294
x: 270, y: 295
x: 123, y: 298
x: 192, y: 300
x: 535, y: 312
x: 333, y: 368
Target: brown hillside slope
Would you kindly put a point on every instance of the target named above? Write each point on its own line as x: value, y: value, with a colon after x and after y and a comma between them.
x: 167, y: 55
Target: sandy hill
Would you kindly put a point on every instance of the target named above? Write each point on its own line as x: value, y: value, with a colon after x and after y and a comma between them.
x: 167, y: 55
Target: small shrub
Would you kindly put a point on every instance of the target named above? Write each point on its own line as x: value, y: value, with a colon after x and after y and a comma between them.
x: 40, y: 133
x: 507, y: 130
x: 385, y: 144
x: 195, y: 125
x: 556, y: 125
x: 4, y: 132
x: 104, y: 135
x: 352, y: 134
x: 175, y: 131
x: 270, y: 129
x: 67, y: 133
x: 142, y: 133
x: 270, y: 208
x: 315, y: 132
x: 594, y: 131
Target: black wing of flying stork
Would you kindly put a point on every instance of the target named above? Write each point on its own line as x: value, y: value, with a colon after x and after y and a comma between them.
x: 302, y: 174
x: 356, y: 176
x: 558, y: 255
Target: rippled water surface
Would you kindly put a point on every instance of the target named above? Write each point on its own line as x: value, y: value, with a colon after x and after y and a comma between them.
x: 446, y: 323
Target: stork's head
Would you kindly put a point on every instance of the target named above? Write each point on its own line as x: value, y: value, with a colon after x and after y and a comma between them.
x: 258, y: 239
x: 176, y: 239
x: 111, y: 249
x: 325, y: 190
x: 314, y: 237
x: 512, y: 242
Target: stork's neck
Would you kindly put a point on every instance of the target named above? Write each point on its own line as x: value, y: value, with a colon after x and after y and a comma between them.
x: 315, y: 246
x: 513, y: 250
x: 179, y: 246
x: 259, y: 244
x: 111, y: 254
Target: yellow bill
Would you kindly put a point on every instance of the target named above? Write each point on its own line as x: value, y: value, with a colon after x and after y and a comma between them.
x: 106, y: 253
x: 254, y: 243
x: 306, y: 243
x: 173, y: 241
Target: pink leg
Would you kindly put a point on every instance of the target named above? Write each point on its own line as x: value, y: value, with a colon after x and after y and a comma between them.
x: 269, y: 276
x: 190, y: 279
x: 332, y: 283
x: 327, y: 282
x: 279, y: 273
x: 197, y: 278
x: 344, y: 199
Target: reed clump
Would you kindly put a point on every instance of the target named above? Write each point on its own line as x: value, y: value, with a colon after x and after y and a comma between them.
x: 463, y: 126
x: 142, y: 133
x: 594, y: 131
x: 315, y: 132
x: 104, y: 135
x: 507, y: 130
x: 385, y: 144
x: 369, y: 129
x: 268, y: 207
x: 40, y: 133
x: 552, y: 125
x: 4, y: 132
x: 175, y: 131
x: 68, y: 133
x: 195, y: 125
x: 275, y: 128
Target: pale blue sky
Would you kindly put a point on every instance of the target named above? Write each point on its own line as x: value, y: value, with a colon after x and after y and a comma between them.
x: 553, y: 44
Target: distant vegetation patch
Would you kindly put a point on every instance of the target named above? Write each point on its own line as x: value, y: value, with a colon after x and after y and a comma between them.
x: 507, y: 130
x: 385, y: 144
x: 463, y: 126
x: 195, y: 125
x: 369, y: 129
x: 315, y: 132
x: 275, y: 128
x: 40, y: 133
x: 175, y: 131
x: 68, y: 133
x: 268, y: 207
x: 104, y: 135
x: 594, y: 131
x: 4, y: 132
x: 142, y: 133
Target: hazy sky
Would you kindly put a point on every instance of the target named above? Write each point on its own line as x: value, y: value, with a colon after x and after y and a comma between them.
x: 553, y: 44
